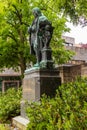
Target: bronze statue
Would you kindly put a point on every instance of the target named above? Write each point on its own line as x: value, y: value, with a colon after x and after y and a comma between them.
x: 40, y: 34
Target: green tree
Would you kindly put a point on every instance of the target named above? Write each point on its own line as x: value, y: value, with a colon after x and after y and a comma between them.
x: 15, y: 18
x: 14, y: 48
x: 75, y: 9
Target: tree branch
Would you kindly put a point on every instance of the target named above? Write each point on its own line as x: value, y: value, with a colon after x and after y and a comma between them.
x: 11, y: 35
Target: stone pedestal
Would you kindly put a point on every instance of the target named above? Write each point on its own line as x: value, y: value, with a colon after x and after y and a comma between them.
x: 20, y: 123
x: 39, y: 82
x: 36, y: 82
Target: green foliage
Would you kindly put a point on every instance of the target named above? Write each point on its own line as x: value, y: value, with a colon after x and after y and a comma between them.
x: 3, y: 127
x: 15, y: 18
x: 14, y: 45
x: 76, y: 10
x: 10, y: 104
x: 66, y: 111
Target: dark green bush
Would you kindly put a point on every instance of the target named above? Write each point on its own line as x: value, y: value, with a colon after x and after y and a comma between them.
x: 9, y: 104
x: 67, y: 111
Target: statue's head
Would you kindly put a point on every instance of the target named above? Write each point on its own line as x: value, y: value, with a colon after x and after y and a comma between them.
x: 36, y: 11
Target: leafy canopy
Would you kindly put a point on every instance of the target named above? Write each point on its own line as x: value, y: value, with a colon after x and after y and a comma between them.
x: 15, y: 18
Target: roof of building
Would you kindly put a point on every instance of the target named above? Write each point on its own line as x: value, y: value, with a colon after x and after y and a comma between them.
x: 10, y: 72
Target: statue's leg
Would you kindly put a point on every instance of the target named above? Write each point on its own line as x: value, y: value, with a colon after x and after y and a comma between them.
x: 37, y: 52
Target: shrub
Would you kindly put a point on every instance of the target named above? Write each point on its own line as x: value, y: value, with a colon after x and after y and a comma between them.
x: 3, y: 127
x: 9, y: 104
x: 66, y: 111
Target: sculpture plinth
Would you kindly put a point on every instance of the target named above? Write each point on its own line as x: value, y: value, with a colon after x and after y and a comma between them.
x: 39, y: 82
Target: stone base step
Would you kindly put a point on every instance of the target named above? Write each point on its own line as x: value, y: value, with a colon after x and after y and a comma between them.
x: 20, y: 123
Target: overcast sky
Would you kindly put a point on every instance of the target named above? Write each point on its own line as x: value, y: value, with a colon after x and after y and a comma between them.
x: 78, y: 32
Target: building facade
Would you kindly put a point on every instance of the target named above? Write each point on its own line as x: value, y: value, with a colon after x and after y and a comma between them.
x: 77, y: 66
x: 8, y: 79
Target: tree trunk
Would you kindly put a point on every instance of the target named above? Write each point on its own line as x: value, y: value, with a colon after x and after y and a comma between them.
x: 22, y: 65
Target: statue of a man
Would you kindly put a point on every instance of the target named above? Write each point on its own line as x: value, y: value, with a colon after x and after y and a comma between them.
x: 40, y: 34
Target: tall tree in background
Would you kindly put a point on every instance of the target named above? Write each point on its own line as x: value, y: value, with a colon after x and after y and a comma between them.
x: 15, y: 18
x: 76, y: 10
x: 14, y: 22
